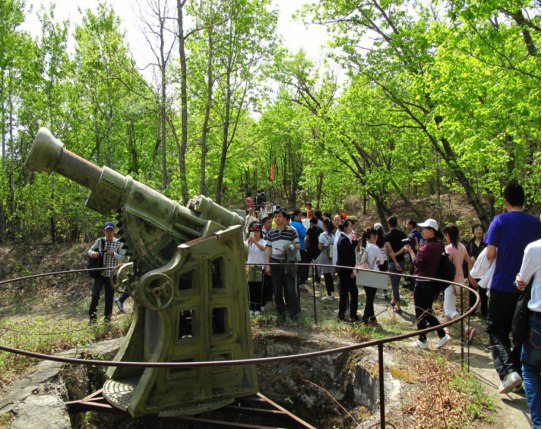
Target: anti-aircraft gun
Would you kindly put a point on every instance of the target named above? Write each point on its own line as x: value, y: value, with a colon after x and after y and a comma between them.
x: 187, y: 277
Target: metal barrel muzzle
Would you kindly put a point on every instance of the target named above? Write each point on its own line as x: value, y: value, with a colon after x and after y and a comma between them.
x: 48, y: 154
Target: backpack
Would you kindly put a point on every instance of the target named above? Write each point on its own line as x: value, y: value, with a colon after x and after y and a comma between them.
x: 96, y: 262
x: 361, y: 259
x: 520, y: 322
x: 445, y: 271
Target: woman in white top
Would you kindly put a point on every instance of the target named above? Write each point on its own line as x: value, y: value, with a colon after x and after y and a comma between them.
x: 325, y: 240
x: 256, y: 255
x: 374, y: 259
x: 459, y: 253
x: 383, y: 252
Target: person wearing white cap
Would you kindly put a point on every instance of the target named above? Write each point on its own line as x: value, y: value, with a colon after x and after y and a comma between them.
x: 426, y: 264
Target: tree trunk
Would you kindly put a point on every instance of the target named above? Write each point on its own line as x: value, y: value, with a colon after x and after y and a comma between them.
x: 12, y: 148
x: 3, y: 126
x: 225, y: 139
x: 184, y: 103
x: 204, y: 129
x: 319, y: 190
x: 109, y: 120
x: 156, y: 146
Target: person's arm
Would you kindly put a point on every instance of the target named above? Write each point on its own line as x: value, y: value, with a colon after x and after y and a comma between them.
x: 491, y: 252
x: 392, y: 256
x: 528, y: 268
x: 93, y: 251
x: 268, y: 260
x: 259, y: 246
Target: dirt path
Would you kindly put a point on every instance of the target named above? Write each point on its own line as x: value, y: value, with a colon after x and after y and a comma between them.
x: 511, y: 410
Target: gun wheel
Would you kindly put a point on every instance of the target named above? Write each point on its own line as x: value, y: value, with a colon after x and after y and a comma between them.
x: 157, y: 292
x: 121, y: 278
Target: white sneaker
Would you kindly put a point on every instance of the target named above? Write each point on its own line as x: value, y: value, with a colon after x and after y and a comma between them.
x: 318, y: 285
x: 442, y: 342
x: 510, y: 381
x: 328, y: 298
x: 419, y: 344
x: 256, y: 313
x: 302, y: 286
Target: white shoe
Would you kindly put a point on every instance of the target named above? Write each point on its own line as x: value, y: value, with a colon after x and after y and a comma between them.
x: 318, y: 285
x: 442, y: 342
x: 328, y: 298
x: 510, y: 381
x: 256, y: 313
x: 252, y: 312
x: 302, y: 286
x: 336, y: 311
x: 419, y: 344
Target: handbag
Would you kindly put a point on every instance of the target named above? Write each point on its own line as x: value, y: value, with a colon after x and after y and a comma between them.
x: 254, y: 273
x: 445, y: 271
x: 365, y: 276
x: 96, y: 262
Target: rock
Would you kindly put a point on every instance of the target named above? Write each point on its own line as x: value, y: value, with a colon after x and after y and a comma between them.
x: 48, y: 410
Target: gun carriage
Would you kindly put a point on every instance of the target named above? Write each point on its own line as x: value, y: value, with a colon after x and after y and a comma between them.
x: 187, y: 277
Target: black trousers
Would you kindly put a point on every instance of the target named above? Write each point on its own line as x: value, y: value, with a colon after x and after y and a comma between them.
x: 348, y: 287
x: 483, y: 299
x: 303, y: 270
x: 267, y: 287
x: 284, y: 290
x: 256, y: 295
x: 330, y: 287
x: 369, y: 313
x: 100, y: 282
x: 499, y: 325
x: 424, y: 294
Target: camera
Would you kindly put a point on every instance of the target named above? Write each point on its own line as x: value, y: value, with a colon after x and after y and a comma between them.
x: 409, y: 240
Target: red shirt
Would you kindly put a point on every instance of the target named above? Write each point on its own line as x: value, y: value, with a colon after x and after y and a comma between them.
x: 428, y: 259
x: 250, y: 203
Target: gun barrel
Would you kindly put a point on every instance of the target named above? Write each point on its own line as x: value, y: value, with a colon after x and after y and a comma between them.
x: 48, y: 154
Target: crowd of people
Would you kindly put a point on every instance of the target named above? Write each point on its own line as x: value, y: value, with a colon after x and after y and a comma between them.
x: 503, y: 266
x: 317, y: 237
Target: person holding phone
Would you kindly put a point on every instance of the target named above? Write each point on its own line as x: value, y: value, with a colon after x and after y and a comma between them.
x: 256, y: 255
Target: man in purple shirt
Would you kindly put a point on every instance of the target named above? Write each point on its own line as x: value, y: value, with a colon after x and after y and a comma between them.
x: 506, y: 239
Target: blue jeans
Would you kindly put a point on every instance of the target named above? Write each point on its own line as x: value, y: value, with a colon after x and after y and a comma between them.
x: 530, y: 358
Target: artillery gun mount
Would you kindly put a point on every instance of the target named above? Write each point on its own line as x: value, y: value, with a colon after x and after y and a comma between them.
x: 187, y: 277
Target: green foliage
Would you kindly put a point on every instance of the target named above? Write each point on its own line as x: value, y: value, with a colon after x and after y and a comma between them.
x: 440, y: 98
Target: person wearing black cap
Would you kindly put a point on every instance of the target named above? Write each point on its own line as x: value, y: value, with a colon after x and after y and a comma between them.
x: 256, y: 255
x: 112, y: 252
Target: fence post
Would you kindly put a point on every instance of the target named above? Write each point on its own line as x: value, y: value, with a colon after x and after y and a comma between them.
x: 381, y: 383
x: 314, y: 293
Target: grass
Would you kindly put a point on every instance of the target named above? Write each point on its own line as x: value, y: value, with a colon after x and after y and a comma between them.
x: 49, y: 331
x: 444, y: 395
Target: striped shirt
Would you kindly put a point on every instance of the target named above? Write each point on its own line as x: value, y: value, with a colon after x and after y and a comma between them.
x: 109, y: 261
x: 278, y: 239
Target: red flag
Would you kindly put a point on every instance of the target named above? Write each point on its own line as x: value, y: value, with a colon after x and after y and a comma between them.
x: 272, y: 175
